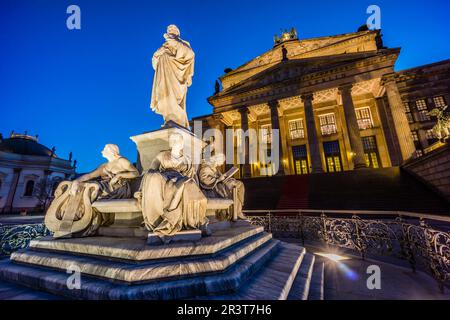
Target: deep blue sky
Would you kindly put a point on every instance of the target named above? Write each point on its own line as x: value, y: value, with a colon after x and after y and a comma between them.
x: 81, y: 89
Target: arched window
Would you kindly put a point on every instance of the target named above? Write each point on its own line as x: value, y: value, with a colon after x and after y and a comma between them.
x: 29, y: 188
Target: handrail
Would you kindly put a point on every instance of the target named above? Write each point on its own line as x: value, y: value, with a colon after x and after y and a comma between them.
x: 357, y: 212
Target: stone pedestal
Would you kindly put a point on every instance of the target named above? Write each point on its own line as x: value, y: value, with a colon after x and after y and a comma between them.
x: 151, y: 143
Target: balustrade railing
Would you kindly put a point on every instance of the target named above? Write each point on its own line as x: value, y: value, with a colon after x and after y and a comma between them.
x: 15, y: 237
x: 417, y: 238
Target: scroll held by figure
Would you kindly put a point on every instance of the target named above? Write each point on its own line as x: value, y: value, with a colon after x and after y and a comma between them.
x: 170, y: 197
x: 173, y: 63
x: 218, y: 184
x: 71, y: 212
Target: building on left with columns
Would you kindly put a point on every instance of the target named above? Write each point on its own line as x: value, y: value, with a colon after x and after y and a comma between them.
x: 337, y: 102
x: 29, y: 173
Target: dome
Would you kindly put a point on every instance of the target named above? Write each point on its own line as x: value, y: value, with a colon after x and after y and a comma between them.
x: 26, y: 145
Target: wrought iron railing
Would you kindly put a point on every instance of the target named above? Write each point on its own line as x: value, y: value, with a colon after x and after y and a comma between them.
x: 15, y: 237
x: 410, y: 236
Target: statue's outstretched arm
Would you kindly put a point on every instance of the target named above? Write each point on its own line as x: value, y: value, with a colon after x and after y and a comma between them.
x: 91, y: 175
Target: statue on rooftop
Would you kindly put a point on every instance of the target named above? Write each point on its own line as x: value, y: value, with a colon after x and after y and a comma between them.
x: 173, y: 63
x: 441, y: 130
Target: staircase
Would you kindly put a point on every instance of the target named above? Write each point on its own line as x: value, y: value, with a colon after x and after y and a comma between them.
x: 239, y: 262
x: 387, y: 189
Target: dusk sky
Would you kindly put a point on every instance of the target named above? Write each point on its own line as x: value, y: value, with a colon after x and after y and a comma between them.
x: 80, y: 89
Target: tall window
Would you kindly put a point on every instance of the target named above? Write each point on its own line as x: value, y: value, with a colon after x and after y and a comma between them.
x: 364, y: 118
x: 332, y: 156
x: 327, y: 124
x: 409, y: 115
x: 296, y: 129
x: 266, y: 133
x: 417, y: 144
x: 29, y: 188
x: 422, y: 109
x: 371, y: 152
x: 300, y: 159
x: 439, y: 102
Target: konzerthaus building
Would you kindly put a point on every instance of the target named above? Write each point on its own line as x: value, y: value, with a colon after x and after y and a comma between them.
x: 337, y: 101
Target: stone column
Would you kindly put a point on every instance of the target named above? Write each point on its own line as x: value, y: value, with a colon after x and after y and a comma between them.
x: 352, y: 127
x: 401, y: 124
x: 273, y: 105
x: 389, y: 132
x: 246, y: 169
x: 12, y: 191
x: 313, y: 142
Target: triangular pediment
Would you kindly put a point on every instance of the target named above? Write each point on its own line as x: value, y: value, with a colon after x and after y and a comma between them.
x: 286, y: 70
x: 299, y: 49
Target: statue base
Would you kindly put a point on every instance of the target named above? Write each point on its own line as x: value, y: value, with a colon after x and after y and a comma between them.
x: 240, y: 262
x: 150, y: 144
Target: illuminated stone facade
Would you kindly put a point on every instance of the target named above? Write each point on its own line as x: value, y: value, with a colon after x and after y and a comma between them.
x: 29, y: 173
x: 337, y: 101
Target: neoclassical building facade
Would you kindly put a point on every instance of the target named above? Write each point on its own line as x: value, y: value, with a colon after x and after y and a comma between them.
x: 29, y: 173
x: 337, y: 102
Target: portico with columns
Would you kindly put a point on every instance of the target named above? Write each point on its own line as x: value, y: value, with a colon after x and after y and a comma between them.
x: 325, y: 103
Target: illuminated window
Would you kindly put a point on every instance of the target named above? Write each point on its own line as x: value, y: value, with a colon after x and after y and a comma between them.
x: 296, y: 129
x: 266, y: 133
x: 332, y: 156
x: 422, y: 109
x: 419, y: 153
x: 415, y: 135
x: 439, y: 102
x: 371, y: 152
x: 429, y: 134
x: 406, y: 106
x: 327, y: 124
x: 300, y: 156
x: 421, y: 104
x: 29, y: 188
x: 364, y: 117
x: 409, y: 115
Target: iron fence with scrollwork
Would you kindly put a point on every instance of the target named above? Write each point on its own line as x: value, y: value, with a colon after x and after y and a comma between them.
x: 407, y: 236
x: 15, y: 237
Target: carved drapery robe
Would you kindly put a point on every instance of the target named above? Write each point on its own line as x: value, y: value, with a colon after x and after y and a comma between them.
x: 174, y: 68
x: 170, y: 197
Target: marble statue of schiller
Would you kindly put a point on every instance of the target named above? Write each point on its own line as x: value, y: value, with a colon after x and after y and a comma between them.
x: 174, y: 68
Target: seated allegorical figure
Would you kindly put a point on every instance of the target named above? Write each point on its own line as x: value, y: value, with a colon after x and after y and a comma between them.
x: 216, y: 183
x: 170, y: 197
x: 71, y: 212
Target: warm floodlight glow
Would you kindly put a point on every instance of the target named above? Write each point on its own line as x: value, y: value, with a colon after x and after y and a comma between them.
x: 332, y: 256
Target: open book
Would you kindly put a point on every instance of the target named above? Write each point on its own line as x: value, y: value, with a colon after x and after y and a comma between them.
x: 230, y: 173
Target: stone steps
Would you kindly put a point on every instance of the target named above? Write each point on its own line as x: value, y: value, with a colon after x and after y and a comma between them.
x: 55, y: 281
x: 317, y: 286
x: 237, y: 262
x: 120, y: 271
x: 275, y: 280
